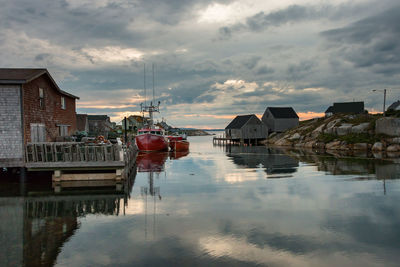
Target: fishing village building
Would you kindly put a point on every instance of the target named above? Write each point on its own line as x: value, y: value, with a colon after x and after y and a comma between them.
x: 345, y: 107
x: 280, y: 119
x: 82, y: 123
x: 99, y: 125
x: 32, y: 109
x: 395, y: 106
x: 134, y: 122
x: 246, y: 129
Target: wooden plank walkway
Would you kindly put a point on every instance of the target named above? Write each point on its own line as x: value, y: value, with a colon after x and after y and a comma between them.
x: 73, y: 161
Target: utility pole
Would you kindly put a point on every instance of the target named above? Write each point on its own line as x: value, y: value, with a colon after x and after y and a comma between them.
x: 384, y: 101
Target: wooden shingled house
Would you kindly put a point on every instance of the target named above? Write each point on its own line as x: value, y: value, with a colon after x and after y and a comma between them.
x: 246, y: 129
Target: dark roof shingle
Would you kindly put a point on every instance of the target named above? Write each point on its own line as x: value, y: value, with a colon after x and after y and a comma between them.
x: 22, y: 76
x: 97, y: 117
x: 329, y: 110
x: 348, y: 107
x: 394, y: 105
x: 283, y: 112
x: 239, y: 121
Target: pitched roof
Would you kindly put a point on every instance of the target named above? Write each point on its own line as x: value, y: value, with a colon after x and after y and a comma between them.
x: 394, y: 105
x: 22, y: 76
x: 97, y: 117
x: 348, y: 107
x: 283, y: 112
x: 329, y: 110
x: 137, y: 118
x: 239, y: 121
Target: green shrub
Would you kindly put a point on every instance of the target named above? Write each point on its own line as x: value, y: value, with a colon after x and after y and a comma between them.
x: 327, y: 138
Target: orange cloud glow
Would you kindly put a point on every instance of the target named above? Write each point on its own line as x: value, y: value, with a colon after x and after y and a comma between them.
x: 211, y: 116
x: 309, y: 115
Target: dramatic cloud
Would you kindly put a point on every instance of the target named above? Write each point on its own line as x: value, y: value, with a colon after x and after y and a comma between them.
x: 214, y: 59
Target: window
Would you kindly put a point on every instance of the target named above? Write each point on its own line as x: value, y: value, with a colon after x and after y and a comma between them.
x: 41, y: 98
x: 38, y: 132
x: 63, y: 106
x: 63, y: 130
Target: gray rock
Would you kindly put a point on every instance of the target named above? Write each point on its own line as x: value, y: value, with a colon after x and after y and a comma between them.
x: 361, y: 128
x: 310, y: 144
x: 389, y: 126
x: 333, y: 145
x: 318, y: 130
x: 296, y: 136
x: 344, y: 129
x: 393, y: 148
x: 329, y: 130
x: 283, y: 142
x: 395, y: 140
x: 378, y: 146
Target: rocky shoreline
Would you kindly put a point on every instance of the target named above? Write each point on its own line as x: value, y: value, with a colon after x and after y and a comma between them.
x: 364, y: 132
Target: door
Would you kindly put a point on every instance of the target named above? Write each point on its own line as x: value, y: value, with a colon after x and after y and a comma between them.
x: 38, y: 132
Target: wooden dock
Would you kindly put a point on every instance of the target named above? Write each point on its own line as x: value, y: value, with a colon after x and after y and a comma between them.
x: 72, y: 162
x: 226, y: 141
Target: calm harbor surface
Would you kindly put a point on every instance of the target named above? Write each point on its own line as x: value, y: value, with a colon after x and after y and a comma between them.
x: 233, y: 206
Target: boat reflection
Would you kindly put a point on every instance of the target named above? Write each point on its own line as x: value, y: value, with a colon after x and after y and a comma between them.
x: 153, y: 163
x: 178, y: 154
x: 276, y: 163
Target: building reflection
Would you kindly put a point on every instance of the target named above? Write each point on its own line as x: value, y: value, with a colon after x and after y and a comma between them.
x: 337, y: 165
x: 275, y: 161
x: 36, y: 222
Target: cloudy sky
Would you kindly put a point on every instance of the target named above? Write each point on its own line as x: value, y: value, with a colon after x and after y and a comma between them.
x: 214, y: 59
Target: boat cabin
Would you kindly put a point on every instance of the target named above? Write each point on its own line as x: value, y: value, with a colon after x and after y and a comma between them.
x: 151, y: 131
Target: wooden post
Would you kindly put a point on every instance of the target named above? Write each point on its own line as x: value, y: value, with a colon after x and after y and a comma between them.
x: 126, y: 133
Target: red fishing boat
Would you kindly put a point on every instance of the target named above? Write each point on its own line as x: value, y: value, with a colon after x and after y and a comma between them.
x: 151, y: 138
x: 178, y: 143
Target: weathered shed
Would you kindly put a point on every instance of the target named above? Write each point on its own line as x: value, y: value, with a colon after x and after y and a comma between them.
x: 247, y: 128
x: 280, y: 119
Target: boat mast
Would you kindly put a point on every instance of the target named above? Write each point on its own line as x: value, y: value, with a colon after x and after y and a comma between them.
x: 151, y: 108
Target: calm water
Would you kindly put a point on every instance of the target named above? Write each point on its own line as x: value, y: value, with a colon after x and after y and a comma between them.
x: 213, y: 207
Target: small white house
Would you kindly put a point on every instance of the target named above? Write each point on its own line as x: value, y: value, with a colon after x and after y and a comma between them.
x: 280, y: 119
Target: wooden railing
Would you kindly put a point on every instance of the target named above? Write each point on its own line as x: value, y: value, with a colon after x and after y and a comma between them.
x: 74, y: 152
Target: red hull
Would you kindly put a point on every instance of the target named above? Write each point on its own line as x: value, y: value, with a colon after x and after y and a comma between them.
x: 151, y: 142
x: 179, y: 145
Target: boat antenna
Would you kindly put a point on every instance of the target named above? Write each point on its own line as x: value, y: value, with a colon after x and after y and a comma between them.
x: 144, y: 83
x: 153, y: 81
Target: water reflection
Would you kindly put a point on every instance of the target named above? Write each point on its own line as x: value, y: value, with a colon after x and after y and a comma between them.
x: 376, y: 168
x: 276, y: 163
x: 36, y: 222
x: 153, y: 163
x: 181, y: 213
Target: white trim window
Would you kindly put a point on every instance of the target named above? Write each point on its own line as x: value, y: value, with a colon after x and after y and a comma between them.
x: 63, y: 105
x: 41, y: 98
x: 63, y: 130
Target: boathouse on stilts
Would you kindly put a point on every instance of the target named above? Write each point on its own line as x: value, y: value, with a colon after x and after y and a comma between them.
x: 246, y: 130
